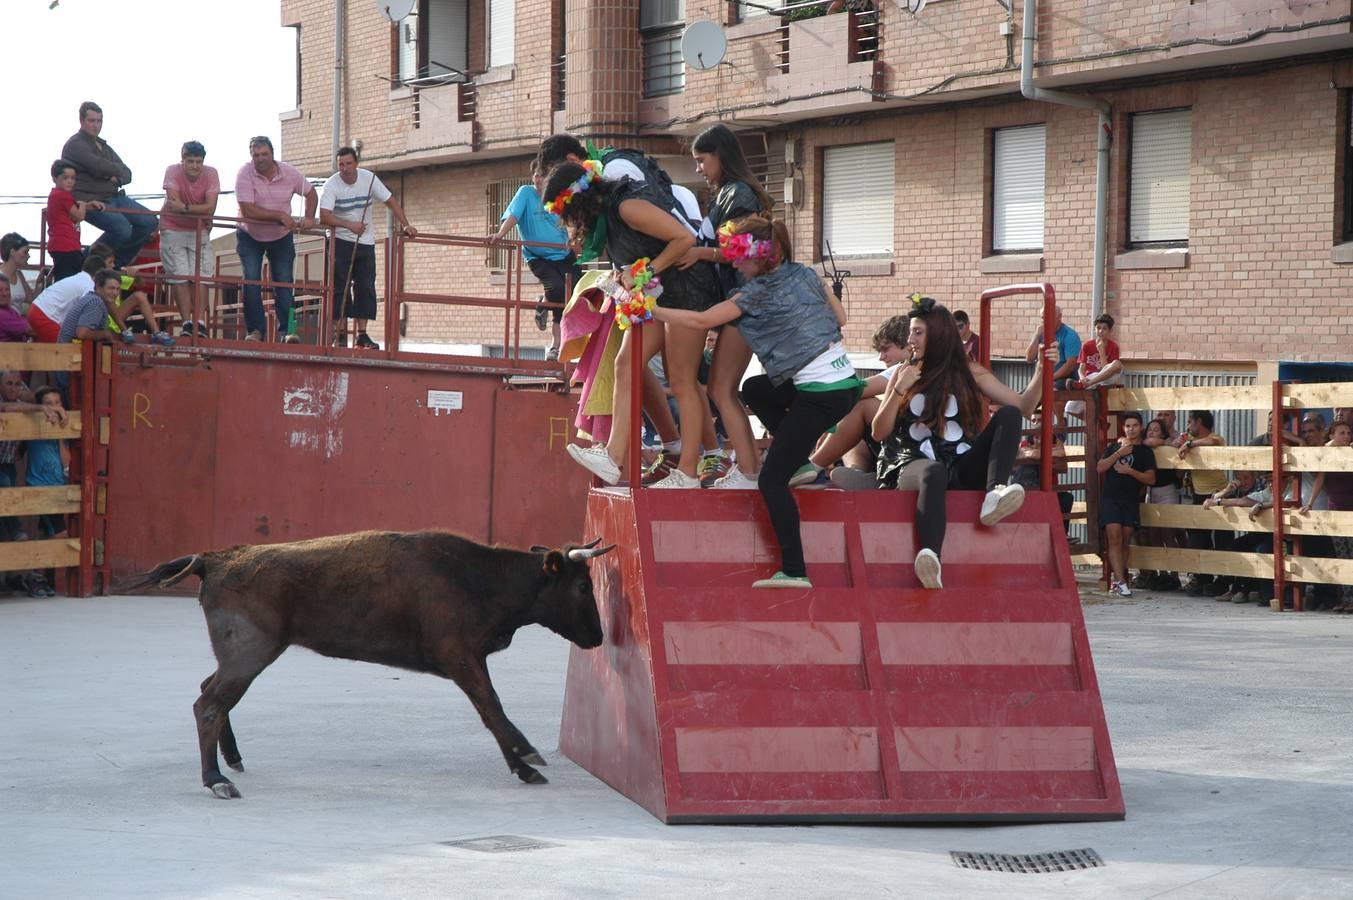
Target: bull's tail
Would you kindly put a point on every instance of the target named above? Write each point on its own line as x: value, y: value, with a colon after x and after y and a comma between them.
x: 167, y: 574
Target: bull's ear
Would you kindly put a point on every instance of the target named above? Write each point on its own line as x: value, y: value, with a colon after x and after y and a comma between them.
x: 554, y: 562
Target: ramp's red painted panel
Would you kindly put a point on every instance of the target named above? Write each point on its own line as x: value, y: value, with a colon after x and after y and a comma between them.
x: 865, y: 698
x: 252, y: 449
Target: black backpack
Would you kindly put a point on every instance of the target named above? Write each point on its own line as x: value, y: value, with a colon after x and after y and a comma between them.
x: 654, y: 175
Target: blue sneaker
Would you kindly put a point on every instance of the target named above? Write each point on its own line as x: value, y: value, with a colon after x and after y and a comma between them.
x: 128, y: 337
x: 162, y: 338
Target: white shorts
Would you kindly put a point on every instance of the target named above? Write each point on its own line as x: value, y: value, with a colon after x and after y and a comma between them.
x: 177, y: 252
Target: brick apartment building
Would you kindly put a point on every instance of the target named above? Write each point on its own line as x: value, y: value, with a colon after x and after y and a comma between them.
x: 903, y: 139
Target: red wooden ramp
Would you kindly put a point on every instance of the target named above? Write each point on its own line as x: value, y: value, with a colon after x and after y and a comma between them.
x: 866, y: 698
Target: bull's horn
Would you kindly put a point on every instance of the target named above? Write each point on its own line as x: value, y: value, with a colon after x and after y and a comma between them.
x: 578, y: 554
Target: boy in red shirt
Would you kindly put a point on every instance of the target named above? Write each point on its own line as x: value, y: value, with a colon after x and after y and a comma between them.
x: 64, y: 215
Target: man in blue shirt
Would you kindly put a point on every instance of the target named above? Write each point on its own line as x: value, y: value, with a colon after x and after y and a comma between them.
x: 555, y: 267
x: 1068, y: 354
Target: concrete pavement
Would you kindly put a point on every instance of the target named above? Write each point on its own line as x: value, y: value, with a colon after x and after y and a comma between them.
x: 1231, y: 727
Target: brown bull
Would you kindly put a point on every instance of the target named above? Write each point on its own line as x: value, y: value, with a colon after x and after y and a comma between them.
x: 425, y: 601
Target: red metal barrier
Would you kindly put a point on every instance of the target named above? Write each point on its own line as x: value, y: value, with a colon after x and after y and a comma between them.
x: 865, y: 698
x: 247, y: 446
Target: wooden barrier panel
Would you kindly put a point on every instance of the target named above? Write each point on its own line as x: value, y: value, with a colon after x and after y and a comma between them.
x: 56, y: 553
x: 39, y: 501
x: 40, y: 357
x: 1209, y: 562
x: 1235, y: 518
x: 32, y: 426
x: 1318, y: 396
x: 1232, y: 397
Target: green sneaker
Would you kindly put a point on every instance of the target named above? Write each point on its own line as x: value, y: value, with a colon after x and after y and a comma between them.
x: 781, y: 580
x: 804, y: 474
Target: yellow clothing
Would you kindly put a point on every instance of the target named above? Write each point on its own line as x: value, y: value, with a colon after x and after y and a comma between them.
x: 1209, y: 481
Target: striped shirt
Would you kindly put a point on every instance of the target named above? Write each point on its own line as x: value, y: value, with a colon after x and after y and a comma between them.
x: 354, y: 202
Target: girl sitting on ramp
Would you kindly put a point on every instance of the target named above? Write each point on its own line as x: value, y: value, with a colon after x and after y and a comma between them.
x: 930, y: 423
x: 793, y: 325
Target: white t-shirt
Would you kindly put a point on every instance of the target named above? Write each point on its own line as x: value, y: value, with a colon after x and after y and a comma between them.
x: 61, y: 296
x: 828, y: 367
x: 350, y: 201
x: 689, y: 210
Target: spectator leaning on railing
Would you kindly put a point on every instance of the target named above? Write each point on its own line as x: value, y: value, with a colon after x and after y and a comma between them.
x: 1338, y: 489
x: 1206, y: 482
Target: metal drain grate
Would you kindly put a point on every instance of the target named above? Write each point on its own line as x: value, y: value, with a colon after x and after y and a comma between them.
x: 499, y: 843
x: 1054, y: 861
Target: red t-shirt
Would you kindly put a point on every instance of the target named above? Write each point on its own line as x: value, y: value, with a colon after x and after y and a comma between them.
x: 63, y: 233
x: 1090, y: 356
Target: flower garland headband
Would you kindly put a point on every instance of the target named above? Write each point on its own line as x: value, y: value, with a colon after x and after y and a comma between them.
x: 591, y: 172
x: 737, y: 247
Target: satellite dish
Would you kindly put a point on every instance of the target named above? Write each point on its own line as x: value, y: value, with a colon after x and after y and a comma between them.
x: 703, y: 44
x: 395, y: 10
x: 915, y: 6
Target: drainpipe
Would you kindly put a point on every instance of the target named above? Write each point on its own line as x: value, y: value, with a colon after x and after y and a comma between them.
x: 340, y: 15
x: 1026, y: 87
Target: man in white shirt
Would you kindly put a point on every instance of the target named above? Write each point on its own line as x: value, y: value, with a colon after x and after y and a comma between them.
x: 346, y: 207
x: 49, y: 308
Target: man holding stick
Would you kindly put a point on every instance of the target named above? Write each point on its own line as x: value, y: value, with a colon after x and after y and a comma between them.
x: 346, y: 207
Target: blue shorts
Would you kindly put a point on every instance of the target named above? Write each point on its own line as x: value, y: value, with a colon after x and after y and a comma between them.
x: 1116, y: 512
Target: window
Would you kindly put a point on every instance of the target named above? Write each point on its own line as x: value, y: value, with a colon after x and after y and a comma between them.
x: 502, y: 28
x: 1158, y: 178
x: 500, y: 194
x: 433, y: 41
x: 857, y: 199
x: 660, y: 26
x: 1018, y: 163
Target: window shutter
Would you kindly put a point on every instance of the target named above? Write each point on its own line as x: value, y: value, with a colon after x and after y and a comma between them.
x: 406, y: 33
x: 1018, y: 165
x: 502, y: 27
x: 448, y: 37
x: 857, y: 199
x: 1159, y: 183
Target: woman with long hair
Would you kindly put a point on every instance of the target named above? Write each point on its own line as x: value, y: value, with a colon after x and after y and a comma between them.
x: 930, y: 423
x: 734, y: 193
x: 794, y: 327
x: 14, y: 250
x: 645, y: 241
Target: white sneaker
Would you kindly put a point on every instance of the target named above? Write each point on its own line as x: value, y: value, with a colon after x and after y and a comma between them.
x: 597, y: 461
x: 1124, y: 590
x: 735, y: 481
x: 927, y: 567
x: 1000, y: 502
x: 677, y: 479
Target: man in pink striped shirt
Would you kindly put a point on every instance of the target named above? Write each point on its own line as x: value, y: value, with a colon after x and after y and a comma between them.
x: 264, y: 188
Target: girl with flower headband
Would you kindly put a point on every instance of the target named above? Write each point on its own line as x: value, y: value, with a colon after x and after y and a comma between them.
x: 644, y: 242
x: 734, y: 193
x: 930, y: 422
x: 793, y: 324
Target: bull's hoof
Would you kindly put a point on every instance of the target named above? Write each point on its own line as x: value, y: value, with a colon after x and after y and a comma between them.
x: 224, y: 790
x: 529, y: 775
x: 534, y: 759
x: 235, y: 764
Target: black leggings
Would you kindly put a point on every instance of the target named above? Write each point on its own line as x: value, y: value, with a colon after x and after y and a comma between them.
x: 796, y: 419
x: 983, y: 467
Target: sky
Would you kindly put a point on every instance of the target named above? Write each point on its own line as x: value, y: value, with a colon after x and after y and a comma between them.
x: 217, y: 71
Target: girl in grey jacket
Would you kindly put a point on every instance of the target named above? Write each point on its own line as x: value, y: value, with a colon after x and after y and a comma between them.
x: 793, y: 325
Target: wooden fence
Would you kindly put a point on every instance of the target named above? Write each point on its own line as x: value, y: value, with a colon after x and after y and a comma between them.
x: 1285, y: 522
